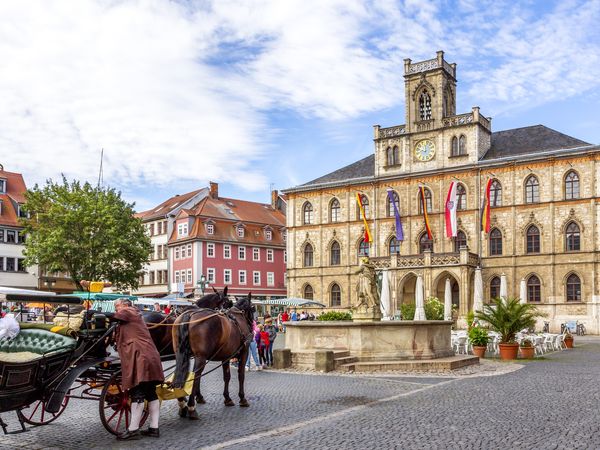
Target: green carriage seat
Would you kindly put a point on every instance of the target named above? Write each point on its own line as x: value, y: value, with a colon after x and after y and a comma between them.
x: 41, y: 342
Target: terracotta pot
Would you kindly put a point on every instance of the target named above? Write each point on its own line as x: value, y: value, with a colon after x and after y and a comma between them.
x: 527, y: 352
x: 479, y: 351
x: 569, y: 342
x: 509, y: 351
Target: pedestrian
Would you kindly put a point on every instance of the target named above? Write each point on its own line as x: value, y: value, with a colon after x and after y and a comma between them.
x: 157, y: 307
x: 140, y: 366
x: 285, y: 317
x: 253, y: 351
x: 263, y: 345
x: 294, y: 316
x: 303, y: 315
x: 272, y: 331
x: 167, y: 310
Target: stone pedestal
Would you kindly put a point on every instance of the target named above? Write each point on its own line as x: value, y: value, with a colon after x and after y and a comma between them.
x: 367, y: 315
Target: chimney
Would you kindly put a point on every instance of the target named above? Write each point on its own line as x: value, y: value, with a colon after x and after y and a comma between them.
x: 214, y: 189
x: 274, y: 198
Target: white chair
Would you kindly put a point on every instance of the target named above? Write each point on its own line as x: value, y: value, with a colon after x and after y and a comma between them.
x: 539, y: 344
x: 461, y: 345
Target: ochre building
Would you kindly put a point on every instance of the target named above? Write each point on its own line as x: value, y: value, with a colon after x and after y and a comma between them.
x: 544, y: 210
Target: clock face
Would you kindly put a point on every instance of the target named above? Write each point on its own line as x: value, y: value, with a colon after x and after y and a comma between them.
x: 425, y: 150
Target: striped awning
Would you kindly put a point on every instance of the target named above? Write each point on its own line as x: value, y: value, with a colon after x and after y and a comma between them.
x: 289, y: 301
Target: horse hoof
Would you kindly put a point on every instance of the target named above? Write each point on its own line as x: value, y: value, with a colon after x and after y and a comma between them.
x: 244, y: 403
x: 229, y: 402
x: 183, y: 412
x: 193, y: 415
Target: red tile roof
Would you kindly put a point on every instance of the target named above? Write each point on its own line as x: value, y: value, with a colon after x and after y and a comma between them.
x: 167, y: 206
x: 15, y: 193
x: 239, y: 211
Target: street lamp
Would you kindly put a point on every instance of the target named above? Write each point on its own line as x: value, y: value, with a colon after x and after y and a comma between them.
x: 202, y: 283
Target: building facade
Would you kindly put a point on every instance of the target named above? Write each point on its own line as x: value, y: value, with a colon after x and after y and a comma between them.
x: 13, y: 272
x: 543, y: 197
x: 230, y: 242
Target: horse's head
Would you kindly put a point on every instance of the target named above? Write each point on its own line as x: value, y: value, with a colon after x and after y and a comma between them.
x: 217, y: 300
x: 245, y: 305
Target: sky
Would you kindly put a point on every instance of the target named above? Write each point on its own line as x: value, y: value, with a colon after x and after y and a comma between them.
x: 255, y: 94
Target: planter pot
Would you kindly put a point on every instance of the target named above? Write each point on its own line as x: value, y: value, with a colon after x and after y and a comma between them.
x: 569, y: 342
x: 508, y: 351
x: 479, y: 351
x: 527, y: 352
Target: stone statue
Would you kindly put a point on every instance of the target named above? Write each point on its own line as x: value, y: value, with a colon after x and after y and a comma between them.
x: 368, y: 294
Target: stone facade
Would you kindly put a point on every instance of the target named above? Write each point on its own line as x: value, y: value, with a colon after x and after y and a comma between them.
x: 510, y: 157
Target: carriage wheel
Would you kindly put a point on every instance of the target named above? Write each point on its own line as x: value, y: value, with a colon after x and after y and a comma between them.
x: 115, y: 407
x: 36, y: 414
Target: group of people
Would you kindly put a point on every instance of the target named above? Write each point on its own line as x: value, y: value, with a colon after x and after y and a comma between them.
x: 261, y: 345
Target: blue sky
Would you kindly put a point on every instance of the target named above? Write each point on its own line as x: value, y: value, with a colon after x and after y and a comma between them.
x: 249, y: 93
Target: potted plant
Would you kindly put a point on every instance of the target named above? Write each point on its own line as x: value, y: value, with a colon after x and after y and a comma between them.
x: 527, y: 349
x: 507, y: 318
x: 479, y: 340
x: 568, y: 339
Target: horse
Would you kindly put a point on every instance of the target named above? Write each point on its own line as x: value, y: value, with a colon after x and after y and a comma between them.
x: 218, y: 301
x: 210, y: 336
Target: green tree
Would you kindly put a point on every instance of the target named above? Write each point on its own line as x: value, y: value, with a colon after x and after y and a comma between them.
x: 91, y: 233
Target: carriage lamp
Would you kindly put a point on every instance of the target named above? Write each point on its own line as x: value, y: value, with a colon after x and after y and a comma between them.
x: 202, y: 283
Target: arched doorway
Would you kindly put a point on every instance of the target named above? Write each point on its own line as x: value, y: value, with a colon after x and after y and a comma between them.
x: 440, y: 289
x: 406, y: 290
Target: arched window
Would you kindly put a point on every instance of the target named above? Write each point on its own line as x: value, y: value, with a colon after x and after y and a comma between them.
x: 389, y: 156
x: 573, y: 288
x: 308, y: 213
x: 495, y: 288
x: 495, y: 194
x: 308, y: 255
x: 462, y: 145
x: 424, y: 105
x: 363, y: 248
x: 461, y: 197
x: 308, y: 293
x: 334, y: 210
x: 571, y: 185
x: 534, y: 290
x: 335, y: 254
x: 460, y: 240
x: 396, y: 155
x: 572, y: 238
x: 533, y: 239
x: 335, y: 295
x: 495, y: 242
x: 428, y: 201
x: 389, y: 205
x: 425, y: 243
x: 532, y: 190
x: 394, y: 246
x: 365, y: 202
x: 454, y: 150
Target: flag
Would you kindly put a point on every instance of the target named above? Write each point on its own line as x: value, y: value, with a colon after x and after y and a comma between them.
x: 485, y: 208
x: 399, y: 230
x: 451, y: 206
x: 425, y: 216
x: 367, y: 237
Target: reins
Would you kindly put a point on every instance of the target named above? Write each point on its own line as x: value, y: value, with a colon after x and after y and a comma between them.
x: 202, y: 319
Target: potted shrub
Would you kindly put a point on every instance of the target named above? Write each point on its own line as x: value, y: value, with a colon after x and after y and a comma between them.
x: 527, y: 349
x: 568, y: 339
x: 479, y: 340
x: 507, y: 318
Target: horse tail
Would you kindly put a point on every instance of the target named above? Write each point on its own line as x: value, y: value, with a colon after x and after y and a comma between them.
x: 183, y: 350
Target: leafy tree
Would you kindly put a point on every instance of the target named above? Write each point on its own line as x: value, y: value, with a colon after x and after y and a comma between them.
x: 90, y: 233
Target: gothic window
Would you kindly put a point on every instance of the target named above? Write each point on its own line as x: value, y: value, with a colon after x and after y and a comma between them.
x: 462, y: 145
x: 495, y: 242
x: 308, y: 293
x: 308, y: 213
x: 334, y: 210
x: 571, y: 185
x: 532, y: 190
x: 308, y: 255
x: 335, y: 295
x: 363, y: 248
x: 365, y: 202
x: 394, y: 246
x: 425, y: 243
x: 572, y: 237
x: 335, y: 254
x: 393, y: 156
x: 573, y: 288
x: 495, y: 194
x: 454, y: 150
x: 396, y: 152
x: 390, y: 206
x: 534, y: 289
x: 428, y: 201
x: 461, y: 197
x: 424, y: 105
x: 460, y: 240
x: 533, y: 239
x: 495, y: 288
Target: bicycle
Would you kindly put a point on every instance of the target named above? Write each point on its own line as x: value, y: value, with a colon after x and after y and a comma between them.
x: 546, y: 328
x: 580, y: 329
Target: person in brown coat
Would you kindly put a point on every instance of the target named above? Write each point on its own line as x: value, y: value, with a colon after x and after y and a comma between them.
x: 141, y: 368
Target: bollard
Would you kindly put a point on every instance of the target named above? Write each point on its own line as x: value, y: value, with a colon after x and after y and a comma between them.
x: 282, y: 358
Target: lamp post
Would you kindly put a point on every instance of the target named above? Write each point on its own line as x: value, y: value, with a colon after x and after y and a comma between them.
x: 202, y: 283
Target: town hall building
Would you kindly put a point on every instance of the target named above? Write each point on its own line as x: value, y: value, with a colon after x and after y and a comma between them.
x: 544, y: 196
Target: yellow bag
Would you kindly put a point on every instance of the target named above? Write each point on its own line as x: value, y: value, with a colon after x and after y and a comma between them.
x: 166, y: 392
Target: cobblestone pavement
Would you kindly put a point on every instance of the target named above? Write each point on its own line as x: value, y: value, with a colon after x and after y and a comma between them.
x: 551, y: 403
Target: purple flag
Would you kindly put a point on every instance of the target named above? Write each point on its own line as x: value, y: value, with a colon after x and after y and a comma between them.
x: 399, y: 231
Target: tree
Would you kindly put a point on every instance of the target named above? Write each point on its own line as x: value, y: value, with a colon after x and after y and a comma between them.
x: 90, y: 233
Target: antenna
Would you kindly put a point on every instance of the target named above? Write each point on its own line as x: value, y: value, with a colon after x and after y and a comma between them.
x: 100, y: 174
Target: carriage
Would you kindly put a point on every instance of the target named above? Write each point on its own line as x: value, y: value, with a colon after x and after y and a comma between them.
x: 45, y: 366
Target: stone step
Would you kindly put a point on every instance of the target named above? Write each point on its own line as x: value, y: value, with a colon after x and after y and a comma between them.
x: 344, y: 360
x: 340, y: 354
x: 449, y: 363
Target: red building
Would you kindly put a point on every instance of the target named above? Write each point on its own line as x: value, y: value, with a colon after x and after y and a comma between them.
x: 231, y: 242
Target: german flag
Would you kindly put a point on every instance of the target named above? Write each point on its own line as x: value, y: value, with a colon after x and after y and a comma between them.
x: 485, y: 208
x: 425, y: 216
x: 367, y: 237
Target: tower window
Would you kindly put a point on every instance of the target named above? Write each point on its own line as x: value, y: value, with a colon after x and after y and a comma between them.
x: 424, y: 105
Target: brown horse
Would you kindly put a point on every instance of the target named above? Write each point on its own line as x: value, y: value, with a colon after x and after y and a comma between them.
x: 212, y: 336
